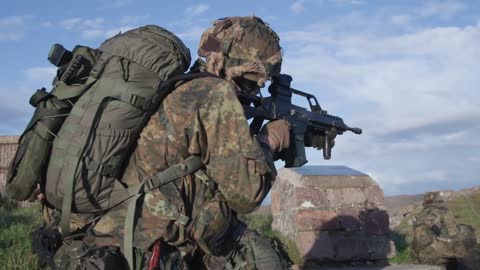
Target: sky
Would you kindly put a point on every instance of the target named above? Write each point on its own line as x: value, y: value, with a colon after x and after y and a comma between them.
x: 406, y: 72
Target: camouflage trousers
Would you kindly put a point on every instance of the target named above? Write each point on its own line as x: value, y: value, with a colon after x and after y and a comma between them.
x: 96, y: 251
x: 253, y: 251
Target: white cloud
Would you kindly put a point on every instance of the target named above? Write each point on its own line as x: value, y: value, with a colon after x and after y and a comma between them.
x: 442, y: 9
x: 93, y: 34
x: 109, y: 4
x: 114, y: 31
x: 192, y: 34
x: 46, y: 24
x: 196, y: 10
x: 423, y: 71
x: 12, y: 28
x: 297, y: 6
x: 438, y: 9
x: 93, y: 23
x: 413, y: 91
x: 403, y: 19
x: 78, y: 23
x: 95, y: 28
x: 270, y: 18
x: 15, y: 111
x: 41, y: 75
x: 345, y: 2
x: 70, y: 23
x: 126, y: 20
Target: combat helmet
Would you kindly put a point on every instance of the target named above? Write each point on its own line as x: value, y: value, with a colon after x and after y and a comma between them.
x: 433, y: 198
x: 241, y: 47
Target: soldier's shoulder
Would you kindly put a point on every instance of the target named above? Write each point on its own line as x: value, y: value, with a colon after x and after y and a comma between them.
x: 204, y: 85
x: 213, y: 87
x: 212, y: 83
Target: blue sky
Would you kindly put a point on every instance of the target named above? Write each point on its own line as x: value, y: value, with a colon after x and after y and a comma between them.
x: 407, y: 72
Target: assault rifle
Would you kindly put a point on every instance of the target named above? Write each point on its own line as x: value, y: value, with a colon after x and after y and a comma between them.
x: 309, y: 127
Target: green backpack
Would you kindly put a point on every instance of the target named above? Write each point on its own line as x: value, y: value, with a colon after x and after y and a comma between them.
x: 84, y: 131
x: 29, y: 164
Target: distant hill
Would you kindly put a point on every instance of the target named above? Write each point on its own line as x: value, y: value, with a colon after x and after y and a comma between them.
x: 464, y: 203
x: 394, y: 204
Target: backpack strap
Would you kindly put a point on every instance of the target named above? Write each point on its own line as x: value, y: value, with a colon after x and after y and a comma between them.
x: 188, y: 166
x: 70, y: 182
x: 162, y: 90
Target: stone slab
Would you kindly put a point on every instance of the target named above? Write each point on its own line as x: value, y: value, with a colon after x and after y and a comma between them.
x: 326, y: 177
x: 332, y: 213
x: 319, y: 170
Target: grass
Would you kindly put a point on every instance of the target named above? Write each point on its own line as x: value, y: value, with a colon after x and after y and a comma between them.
x: 402, y: 236
x: 466, y: 210
x: 16, y: 224
x: 404, y: 255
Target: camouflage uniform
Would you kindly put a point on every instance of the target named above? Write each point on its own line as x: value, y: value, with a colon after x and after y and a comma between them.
x: 209, y: 121
x: 203, y: 117
x: 437, y: 238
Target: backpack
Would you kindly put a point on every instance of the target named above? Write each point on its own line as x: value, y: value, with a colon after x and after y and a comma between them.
x: 27, y: 168
x: 84, y: 131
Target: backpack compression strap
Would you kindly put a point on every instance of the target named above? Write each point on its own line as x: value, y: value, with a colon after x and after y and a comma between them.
x: 190, y: 165
x: 180, y: 170
x: 162, y: 90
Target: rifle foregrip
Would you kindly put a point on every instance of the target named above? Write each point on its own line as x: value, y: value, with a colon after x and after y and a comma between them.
x: 327, y: 148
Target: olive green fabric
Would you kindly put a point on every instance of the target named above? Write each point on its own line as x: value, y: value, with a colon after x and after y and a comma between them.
x: 75, y: 255
x: 208, y: 118
x: 29, y: 164
x: 98, y: 136
x: 253, y: 252
x: 152, y: 47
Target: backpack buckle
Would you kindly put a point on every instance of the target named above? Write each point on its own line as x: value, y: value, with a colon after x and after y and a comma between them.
x: 145, y: 104
x: 102, y: 169
x: 149, y: 184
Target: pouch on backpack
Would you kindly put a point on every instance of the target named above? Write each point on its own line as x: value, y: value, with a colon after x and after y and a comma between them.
x: 97, y: 138
x: 28, y: 167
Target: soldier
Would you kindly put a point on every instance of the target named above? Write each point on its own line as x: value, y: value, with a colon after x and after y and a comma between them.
x: 194, y: 219
x: 437, y: 238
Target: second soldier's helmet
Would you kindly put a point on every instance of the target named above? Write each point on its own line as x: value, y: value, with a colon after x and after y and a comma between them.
x: 433, y: 198
x: 242, y: 47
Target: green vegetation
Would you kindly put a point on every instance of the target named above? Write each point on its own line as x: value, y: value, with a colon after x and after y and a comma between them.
x: 466, y: 210
x: 404, y: 255
x: 402, y: 236
x: 16, y: 224
x: 263, y: 224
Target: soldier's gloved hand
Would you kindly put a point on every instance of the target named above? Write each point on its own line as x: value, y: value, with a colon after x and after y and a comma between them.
x: 276, y: 134
x: 317, y: 140
x: 331, y: 135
